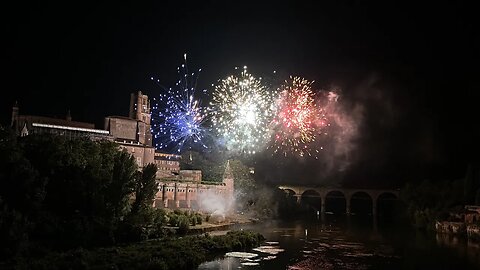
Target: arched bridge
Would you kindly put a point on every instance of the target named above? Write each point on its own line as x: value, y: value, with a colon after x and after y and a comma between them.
x: 349, y: 195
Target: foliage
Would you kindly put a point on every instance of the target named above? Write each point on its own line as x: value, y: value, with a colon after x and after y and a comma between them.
x: 183, y: 220
x: 245, y: 188
x: 211, y: 165
x: 428, y: 201
x: 183, y: 224
x: 168, y: 253
x: 145, y: 188
x: 173, y: 220
x: 65, y: 193
x: 249, y: 195
x: 199, y: 219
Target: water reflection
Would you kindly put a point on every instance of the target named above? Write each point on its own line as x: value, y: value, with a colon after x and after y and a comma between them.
x: 467, y: 248
x: 349, y: 243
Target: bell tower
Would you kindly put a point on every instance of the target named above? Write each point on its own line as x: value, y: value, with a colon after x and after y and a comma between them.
x: 139, y: 107
x: 140, y: 111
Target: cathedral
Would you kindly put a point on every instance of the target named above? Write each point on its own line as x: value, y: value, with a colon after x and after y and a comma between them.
x: 177, y: 188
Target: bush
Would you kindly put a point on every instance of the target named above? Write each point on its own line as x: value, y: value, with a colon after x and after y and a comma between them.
x: 131, y: 233
x: 199, y: 219
x: 160, y: 217
x: 172, y: 253
x: 183, y: 225
x: 173, y: 219
x: 193, y: 220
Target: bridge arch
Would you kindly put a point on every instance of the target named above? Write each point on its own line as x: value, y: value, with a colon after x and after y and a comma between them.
x: 361, y: 203
x: 339, y: 200
x: 387, y: 195
x: 335, y: 202
x: 311, y: 199
x: 289, y: 191
x: 387, y: 204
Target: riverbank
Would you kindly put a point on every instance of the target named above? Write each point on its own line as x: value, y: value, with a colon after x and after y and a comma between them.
x: 465, y: 223
x: 226, y: 224
x: 167, y: 253
x: 470, y: 231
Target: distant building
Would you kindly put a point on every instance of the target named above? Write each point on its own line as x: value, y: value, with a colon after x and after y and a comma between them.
x: 188, y: 191
x: 24, y: 125
x: 134, y: 133
x: 168, y: 165
x: 177, y: 188
x: 472, y: 214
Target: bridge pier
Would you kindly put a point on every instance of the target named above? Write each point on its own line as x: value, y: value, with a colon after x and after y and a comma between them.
x: 322, y: 208
x: 348, y: 193
x: 347, y: 205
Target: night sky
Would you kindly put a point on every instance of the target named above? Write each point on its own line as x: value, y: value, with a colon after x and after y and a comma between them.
x: 412, y: 68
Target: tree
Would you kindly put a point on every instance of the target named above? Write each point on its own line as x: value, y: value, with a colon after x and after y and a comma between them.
x: 21, y: 195
x: 122, y: 185
x: 245, y: 187
x: 66, y: 193
x: 212, y: 166
x: 145, y: 188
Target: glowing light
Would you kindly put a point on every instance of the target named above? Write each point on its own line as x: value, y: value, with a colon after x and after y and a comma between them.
x: 294, y: 125
x: 178, y: 116
x: 242, y: 108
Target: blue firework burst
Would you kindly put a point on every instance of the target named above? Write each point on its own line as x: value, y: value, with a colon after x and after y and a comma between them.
x: 178, y: 116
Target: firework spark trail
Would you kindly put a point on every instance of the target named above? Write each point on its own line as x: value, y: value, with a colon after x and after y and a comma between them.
x: 242, y: 108
x: 178, y: 116
x: 302, y: 122
x: 293, y: 127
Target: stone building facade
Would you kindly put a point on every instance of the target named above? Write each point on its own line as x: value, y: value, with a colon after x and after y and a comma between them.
x: 177, y: 188
x: 168, y: 165
x: 189, y: 192
x: 24, y: 125
x: 133, y: 133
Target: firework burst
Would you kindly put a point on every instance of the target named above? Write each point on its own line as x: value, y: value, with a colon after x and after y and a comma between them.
x: 178, y: 116
x: 294, y: 128
x: 242, y: 108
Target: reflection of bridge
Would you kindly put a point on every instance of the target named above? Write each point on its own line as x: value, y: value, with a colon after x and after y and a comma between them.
x: 324, y: 193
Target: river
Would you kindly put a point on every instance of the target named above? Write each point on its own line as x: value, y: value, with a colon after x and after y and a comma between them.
x: 348, y: 244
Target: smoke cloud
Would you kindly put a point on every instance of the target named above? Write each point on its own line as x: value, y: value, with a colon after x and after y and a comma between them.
x: 214, y: 203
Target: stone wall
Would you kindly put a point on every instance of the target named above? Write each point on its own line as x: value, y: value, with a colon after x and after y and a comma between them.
x: 121, y: 128
x: 185, y: 195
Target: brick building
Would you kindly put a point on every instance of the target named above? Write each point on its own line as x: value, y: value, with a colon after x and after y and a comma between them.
x: 177, y: 188
x: 168, y: 165
x: 133, y: 133
x: 188, y: 189
x: 24, y: 125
